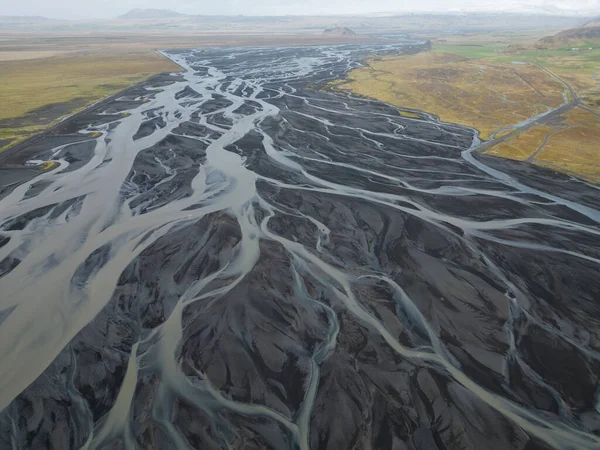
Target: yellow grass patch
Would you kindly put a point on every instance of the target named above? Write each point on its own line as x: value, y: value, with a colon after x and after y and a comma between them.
x: 572, y: 145
x: 523, y: 145
x: 29, y: 85
x: 11, y: 135
x: 409, y: 114
x: 66, y: 84
x: 27, y: 54
x: 486, y: 89
x: 503, y: 133
x: 575, y: 150
x: 48, y: 165
x: 482, y: 94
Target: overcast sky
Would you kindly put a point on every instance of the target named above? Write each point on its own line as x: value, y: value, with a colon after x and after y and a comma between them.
x: 110, y: 8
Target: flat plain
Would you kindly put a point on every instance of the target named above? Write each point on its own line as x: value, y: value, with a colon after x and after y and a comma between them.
x: 37, y: 93
x: 505, y: 90
x: 47, y: 77
x: 568, y: 143
x: 478, y: 93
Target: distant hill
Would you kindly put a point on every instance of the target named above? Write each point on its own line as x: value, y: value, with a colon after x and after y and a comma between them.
x: 164, y: 20
x: 592, y: 23
x: 23, y: 19
x: 586, y: 35
x: 575, y: 37
x: 339, y: 31
x: 137, y: 14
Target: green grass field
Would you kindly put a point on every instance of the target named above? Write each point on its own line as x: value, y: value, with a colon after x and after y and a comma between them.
x: 579, y: 66
x: 473, y: 51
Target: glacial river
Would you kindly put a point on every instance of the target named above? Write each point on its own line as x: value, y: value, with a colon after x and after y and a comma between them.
x: 235, y: 257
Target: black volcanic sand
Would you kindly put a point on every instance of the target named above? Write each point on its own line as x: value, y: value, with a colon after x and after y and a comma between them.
x: 245, y: 260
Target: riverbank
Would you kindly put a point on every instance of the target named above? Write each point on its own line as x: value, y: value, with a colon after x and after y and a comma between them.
x: 501, y: 95
x: 46, y: 78
x: 476, y: 93
x: 39, y: 92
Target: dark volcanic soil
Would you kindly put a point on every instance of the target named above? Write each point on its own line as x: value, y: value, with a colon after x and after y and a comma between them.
x: 245, y: 261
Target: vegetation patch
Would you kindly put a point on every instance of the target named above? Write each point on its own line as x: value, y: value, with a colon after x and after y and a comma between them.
x: 574, y: 149
x: 482, y: 94
x: 409, y: 114
x: 37, y: 93
x: 521, y: 146
x: 568, y: 145
x: 48, y: 165
x: 494, y: 82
